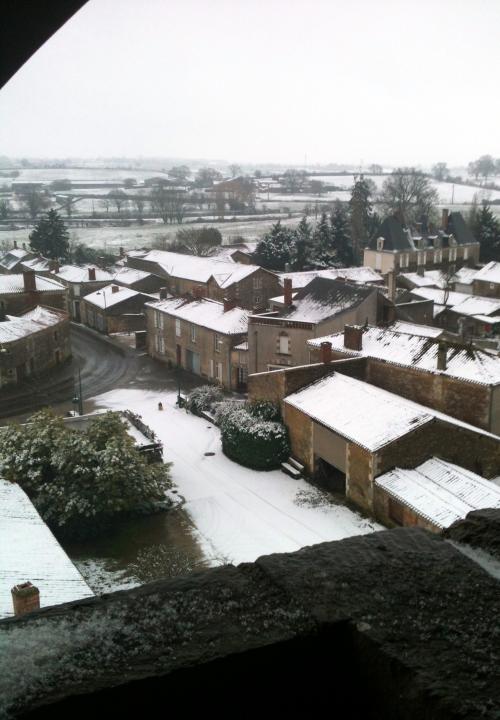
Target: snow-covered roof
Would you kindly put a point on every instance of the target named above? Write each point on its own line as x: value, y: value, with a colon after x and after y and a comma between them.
x: 106, y: 297
x: 80, y: 274
x: 324, y: 298
x: 415, y: 329
x: 12, y: 257
x: 360, y: 412
x: 15, y: 328
x: 37, y: 264
x: 10, y: 284
x: 200, y: 269
x: 440, y: 296
x: 463, y: 303
x: 31, y: 552
x: 418, y: 351
x: 242, y: 346
x: 352, y: 274
x: 128, y: 275
x: 207, y: 313
x: 440, y: 491
x: 489, y: 273
x: 435, y: 278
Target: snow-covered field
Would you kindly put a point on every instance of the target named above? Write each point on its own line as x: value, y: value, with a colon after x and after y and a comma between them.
x: 84, y: 174
x: 239, y: 513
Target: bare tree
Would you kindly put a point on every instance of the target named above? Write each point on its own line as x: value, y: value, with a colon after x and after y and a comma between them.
x: 409, y: 195
x: 139, y: 203
x: 317, y: 187
x: 235, y: 170
x: 118, y: 198
x: 293, y: 180
x: 33, y: 201
x: 376, y: 169
x: 440, y: 171
x: 169, y: 204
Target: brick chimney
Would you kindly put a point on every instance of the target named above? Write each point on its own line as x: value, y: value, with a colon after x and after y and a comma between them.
x: 15, y: 244
x: 163, y: 293
x: 114, y: 288
x: 353, y: 337
x: 442, y: 356
x: 326, y: 352
x: 91, y: 273
x: 444, y: 220
x: 25, y: 598
x: 420, y: 270
x: 29, y: 280
x: 122, y: 252
x: 288, y: 291
x: 24, y: 246
x: 229, y: 304
x: 391, y: 285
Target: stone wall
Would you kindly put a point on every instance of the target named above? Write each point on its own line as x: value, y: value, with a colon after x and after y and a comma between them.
x: 300, y: 429
x: 19, y: 303
x: 408, y: 518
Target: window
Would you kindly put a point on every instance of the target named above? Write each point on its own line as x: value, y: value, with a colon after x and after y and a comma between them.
x: 160, y: 344
x: 219, y: 372
x: 177, y: 327
x: 453, y: 254
x: 76, y: 290
x: 257, y: 283
x: 256, y: 300
x: 212, y: 366
x: 421, y: 258
x: 218, y: 343
x: 438, y: 256
x: 284, y: 344
x: 466, y: 253
x: 158, y: 319
x: 56, y: 335
x: 193, y: 333
x: 380, y: 243
x: 405, y: 260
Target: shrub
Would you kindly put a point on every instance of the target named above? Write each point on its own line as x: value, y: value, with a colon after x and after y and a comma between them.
x: 203, y: 398
x: 224, y: 410
x: 265, y: 410
x: 258, y: 444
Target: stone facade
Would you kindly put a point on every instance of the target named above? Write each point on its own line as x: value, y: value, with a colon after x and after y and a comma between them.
x: 31, y: 295
x: 411, y: 260
x: 126, y: 316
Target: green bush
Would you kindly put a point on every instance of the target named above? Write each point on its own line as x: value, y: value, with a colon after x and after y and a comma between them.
x: 258, y: 444
x: 265, y: 410
x: 203, y: 398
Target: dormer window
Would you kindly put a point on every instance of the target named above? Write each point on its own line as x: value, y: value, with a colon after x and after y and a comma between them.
x: 452, y: 241
x: 437, y: 242
x: 380, y: 244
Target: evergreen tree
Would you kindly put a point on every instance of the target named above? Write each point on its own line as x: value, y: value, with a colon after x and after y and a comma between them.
x: 341, y: 238
x: 276, y: 248
x: 360, y: 208
x: 303, y: 245
x: 50, y: 237
x: 324, y: 252
x: 487, y: 231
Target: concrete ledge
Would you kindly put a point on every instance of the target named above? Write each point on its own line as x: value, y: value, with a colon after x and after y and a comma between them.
x: 393, y: 624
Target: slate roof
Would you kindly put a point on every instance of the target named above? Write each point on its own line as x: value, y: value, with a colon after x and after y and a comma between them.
x: 13, y: 284
x: 395, y: 236
x: 324, y: 298
x: 31, y: 552
x: 80, y: 274
x: 418, y: 351
x: 206, y: 313
x: 400, y: 239
x: 489, y: 273
x: 351, y: 274
x: 106, y: 298
x: 12, y: 257
x: 440, y: 491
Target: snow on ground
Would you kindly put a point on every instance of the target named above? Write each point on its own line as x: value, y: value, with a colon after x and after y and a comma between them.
x: 239, y: 513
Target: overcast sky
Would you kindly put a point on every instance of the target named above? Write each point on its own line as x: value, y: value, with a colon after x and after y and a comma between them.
x: 386, y: 81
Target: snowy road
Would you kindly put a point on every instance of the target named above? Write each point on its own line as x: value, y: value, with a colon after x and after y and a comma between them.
x: 239, y: 513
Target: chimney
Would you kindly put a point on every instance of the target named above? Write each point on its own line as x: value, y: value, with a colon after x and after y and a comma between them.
x: 229, y: 304
x: 353, y: 337
x: 163, y: 293
x: 114, y: 288
x: 288, y: 291
x: 444, y: 220
x: 326, y: 352
x: 54, y: 266
x: 91, y: 273
x: 24, y: 246
x: 25, y: 598
x: 287, y: 267
x: 122, y: 252
x: 391, y: 285
x: 420, y: 270
x: 15, y: 244
x: 442, y: 356
x: 29, y: 281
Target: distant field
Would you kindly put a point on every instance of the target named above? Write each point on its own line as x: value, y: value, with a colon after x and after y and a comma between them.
x: 136, y: 236
x: 50, y: 174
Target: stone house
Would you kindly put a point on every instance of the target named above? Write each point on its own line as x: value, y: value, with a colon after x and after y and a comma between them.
x: 138, y: 280
x: 33, y: 343
x: 199, y: 335
x: 461, y: 281
x: 80, y: 281
x: 394, y: 247
x: 278, y: 338
x: 347, y: 432
x: 21, y: 292
x: 114, y: 309
x: 422, y: 364
x: 486, y: 282
x: 468, y: 315
x: 249, y: 286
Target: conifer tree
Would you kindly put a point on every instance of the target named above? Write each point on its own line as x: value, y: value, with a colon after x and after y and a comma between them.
x: 276, y: 248
x: 50, y: 237
x: 303, y: 246
x: 360, y: 208
x: 341, y: 239
x: 324, y: 252
x: 487, y: 231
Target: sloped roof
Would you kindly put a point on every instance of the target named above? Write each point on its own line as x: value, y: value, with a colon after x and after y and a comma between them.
x: 420, y: 351
x: 489, y: 273
x: 394, y: 234
x: 408, y: 328
x: 206, y: 313
x: 32, y: 553
x: 440, y: 491
x: 10, y: 284
x: 435, y: 278
x: 324, y: 298
x: 9, y: 259
x: 80, y: 274
x: 128, y: 275
x: 106, y: 298
x: 351, y: 274
x: 14, y: 328
x: 459, y: 229
x: 398, y: 238
x: 200, y: 269
x: 464, y: 303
